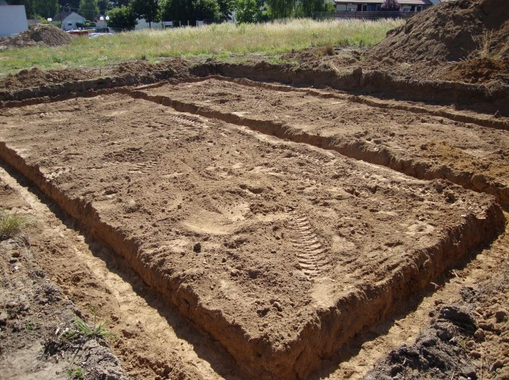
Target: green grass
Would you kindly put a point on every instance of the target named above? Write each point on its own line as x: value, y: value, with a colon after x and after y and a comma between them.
x: 210, y: 41
x: 11, y: 224
x: 85, y: 331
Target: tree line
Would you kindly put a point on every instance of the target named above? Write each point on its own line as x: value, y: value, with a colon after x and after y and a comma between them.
x: 123, y: 13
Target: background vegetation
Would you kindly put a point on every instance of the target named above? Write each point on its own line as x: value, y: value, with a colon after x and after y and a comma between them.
x: 218, y: 40
x: 180, y: 10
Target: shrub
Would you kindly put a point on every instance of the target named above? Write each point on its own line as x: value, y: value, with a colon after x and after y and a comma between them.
x: 122, y: 19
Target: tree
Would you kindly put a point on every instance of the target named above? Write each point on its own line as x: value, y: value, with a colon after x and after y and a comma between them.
x: 226, y: 8
x: 122, y: 18
x: 280, y: 8
x: 147, y: 9
x: 176, y: 10
x: 311, y: 7
x: 206, y: 10
x: 390, y: 5
x: 48, y: 8
x: 69, y: 5
x: 38, y: 8
x: 104, y: 6
x: 246, y: 11
x: 89, y: 9
x: 190, y: 10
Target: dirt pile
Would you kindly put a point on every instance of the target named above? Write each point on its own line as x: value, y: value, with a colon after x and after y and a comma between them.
x: 178, y: 67
x: 466, y: 339
x: 36, y: 77
x: 39, y: 35
x: 449, y: 32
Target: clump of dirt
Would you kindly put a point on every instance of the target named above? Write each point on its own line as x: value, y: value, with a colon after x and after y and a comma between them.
x: 479, y: 70
x: 465, y: 340
x: 448, y: 32
x: 37, y: 77
x: 42, y: 34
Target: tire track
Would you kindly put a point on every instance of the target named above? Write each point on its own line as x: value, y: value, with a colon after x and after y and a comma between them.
x: 311, y: 254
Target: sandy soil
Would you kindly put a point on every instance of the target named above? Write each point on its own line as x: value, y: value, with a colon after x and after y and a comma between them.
x: 424, y: 144
x: 277, y: 249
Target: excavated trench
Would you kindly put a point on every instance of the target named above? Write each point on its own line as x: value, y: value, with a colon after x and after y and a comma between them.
x: 336, y: 312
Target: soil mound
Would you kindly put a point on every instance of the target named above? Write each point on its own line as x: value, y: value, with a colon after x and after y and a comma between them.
x: 45, y: 35
x: 36, y: 77
x: 178, y: 67
x: 479, y: 70
x: 452, y: 31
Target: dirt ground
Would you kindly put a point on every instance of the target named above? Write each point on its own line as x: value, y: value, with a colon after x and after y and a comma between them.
x: 425, y: 144
x: 340, y: 216
x: 36, y: 316
x: 279, y: 249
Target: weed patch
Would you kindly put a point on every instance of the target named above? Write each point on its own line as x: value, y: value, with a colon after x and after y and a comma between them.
x: 11, y: 224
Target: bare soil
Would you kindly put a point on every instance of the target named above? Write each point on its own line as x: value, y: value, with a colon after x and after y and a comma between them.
x: 293, y: 242
x: 39, y: 35
x: 229, y: 228
x: 35, y: 316
x: 426, y: 144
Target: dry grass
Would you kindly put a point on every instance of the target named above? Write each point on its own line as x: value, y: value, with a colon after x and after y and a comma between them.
x: 219, y: 41
x: 11, y: 224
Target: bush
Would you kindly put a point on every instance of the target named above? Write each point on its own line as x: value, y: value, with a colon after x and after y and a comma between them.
x: 390, y: 5
x: 247, y: 11
x: 122, y: 19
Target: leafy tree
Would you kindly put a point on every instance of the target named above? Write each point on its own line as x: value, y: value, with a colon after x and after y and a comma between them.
x: 89, y: 9
x: 122, y: 18
x: 69, y: 5
x: 390, y: 5
x: 311, y: 7
x: 192, y: 10
x: 246, y: 11
x: 280, y: 8
x: 147, y: 9
x: 104, y: 6
x: 48, y: 8
x: 38, y: 8
x: 176, y: 10
x: 226, y: 8
x: 206, y: 10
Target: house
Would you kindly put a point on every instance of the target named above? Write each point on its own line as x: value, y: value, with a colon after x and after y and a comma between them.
x: 13, y: 19
x: 70, y: 20
x: 373, y: 8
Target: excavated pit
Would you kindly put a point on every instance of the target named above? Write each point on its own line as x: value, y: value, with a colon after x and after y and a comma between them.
x: 280, y: 250
x: 425, y: 142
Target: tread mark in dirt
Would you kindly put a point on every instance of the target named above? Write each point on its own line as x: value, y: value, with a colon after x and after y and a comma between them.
x: 311, y: 254
x: 186, y: 120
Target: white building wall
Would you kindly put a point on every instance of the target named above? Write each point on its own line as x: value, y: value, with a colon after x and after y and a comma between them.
x: 13, y: 20
x: 142, y: 24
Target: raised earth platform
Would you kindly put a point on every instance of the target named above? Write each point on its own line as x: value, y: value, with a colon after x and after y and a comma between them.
x: 280, y: 250
x: 426, y: 142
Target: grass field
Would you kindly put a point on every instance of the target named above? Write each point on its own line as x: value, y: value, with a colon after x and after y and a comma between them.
x: 220, y: 41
